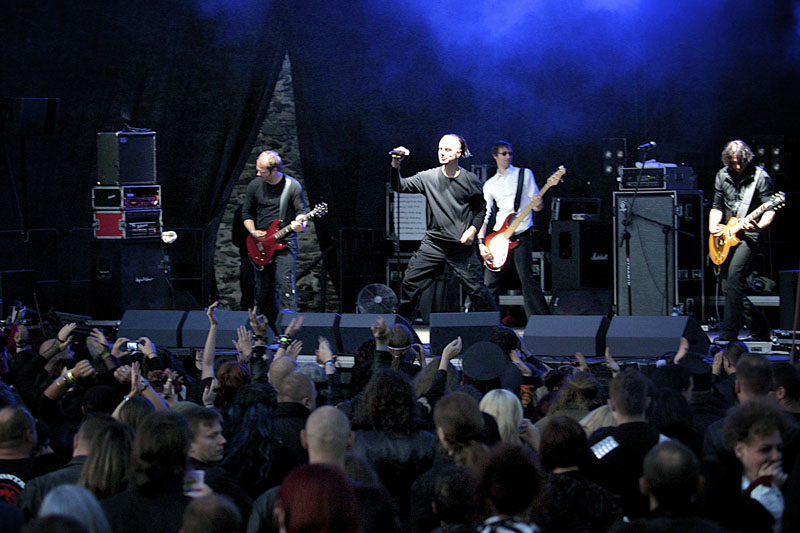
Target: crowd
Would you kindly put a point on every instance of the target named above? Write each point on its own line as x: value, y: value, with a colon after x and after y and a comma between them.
x: 97, y: 437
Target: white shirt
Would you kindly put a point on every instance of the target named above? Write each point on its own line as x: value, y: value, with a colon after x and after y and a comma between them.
x: 502, y: 189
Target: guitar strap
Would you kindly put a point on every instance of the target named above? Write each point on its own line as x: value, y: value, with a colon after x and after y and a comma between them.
x: 518, y: 198
x: 285, y: 194
x: 747, y: 195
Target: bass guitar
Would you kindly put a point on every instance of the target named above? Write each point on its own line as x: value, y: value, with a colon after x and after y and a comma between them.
x: 718, y: 247
x: 261, y: 252
x: 501, y: 242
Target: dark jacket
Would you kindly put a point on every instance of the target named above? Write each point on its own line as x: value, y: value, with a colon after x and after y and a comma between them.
x: 30, y: 499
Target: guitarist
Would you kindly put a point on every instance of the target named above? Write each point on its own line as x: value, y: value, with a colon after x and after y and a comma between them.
x: 739, y: 188
x: 272, y: 195
x: 510, y: 189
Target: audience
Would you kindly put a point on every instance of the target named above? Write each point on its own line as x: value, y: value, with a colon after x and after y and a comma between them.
x: 429, y: 457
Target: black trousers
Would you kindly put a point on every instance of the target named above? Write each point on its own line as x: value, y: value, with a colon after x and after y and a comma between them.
x: 533, y: 299
x: 738, y: 308
x: 429, y: 261
x: 275, y: 288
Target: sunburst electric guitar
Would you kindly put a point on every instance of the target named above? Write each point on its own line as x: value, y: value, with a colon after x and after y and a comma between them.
x: 718, y: 247
x: 501, y: 242
x: 261, y: 252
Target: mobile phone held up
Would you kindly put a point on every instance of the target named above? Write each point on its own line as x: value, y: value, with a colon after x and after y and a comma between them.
x: 132, y: 346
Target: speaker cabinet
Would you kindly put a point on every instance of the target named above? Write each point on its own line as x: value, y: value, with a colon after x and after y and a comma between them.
x: 16, y: 285
x: 161, y: 327
x: 650, y: 337
x: 315, y: 325
x: 667, y: 236
x: 564, y: 335
x: 471, y: 327
x: 355, y: 328
x: 195, y: 328
x: 581, y: 255
x: 125, y: 158
x: 787, y: 287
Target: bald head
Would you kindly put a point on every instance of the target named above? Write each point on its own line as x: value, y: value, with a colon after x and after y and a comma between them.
x: 279, y: 369
x: 297, y: 388
x: 17, y: 432
x: 327, y: 435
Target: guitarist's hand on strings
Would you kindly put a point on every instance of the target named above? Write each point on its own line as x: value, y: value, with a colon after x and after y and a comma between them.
x: 486, y: 254
x: 259, y: 234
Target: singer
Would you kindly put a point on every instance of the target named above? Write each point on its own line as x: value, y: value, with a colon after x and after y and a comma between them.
x: 455, y: 211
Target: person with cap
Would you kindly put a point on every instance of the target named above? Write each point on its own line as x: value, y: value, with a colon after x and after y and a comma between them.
x: 487, y: 367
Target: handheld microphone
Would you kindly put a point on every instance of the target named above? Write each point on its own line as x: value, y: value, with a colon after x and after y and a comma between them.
x: 397, y: 152
x: 646, y: 146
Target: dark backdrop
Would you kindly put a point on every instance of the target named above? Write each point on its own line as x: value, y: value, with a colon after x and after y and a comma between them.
x: 554, y: 79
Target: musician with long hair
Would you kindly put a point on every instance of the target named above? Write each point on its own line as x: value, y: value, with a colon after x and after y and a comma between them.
x: 740, y: 187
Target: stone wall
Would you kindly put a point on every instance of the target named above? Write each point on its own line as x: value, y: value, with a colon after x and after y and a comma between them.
x: 278, y: 133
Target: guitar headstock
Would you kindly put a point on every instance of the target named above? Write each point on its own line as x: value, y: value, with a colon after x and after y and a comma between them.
x: 777, y: 200
x: 318, y: 211
x: 555, y: 177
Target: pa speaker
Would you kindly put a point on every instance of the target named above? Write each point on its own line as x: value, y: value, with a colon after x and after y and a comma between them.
x: 564, y: 335
x: 650, y: 337
x: 355, y: 328
x: 195, y: 328
x: 471, y: 327
x: 161, y: 327
x: 315, y: 325
x: 787, y: 287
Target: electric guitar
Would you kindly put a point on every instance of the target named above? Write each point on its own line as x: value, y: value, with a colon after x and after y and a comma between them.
x: 500, y: 242
x: 261, y: 252
x: 718, y: 247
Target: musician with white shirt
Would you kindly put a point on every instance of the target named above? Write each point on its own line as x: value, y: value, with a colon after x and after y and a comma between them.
x: 500, y: 192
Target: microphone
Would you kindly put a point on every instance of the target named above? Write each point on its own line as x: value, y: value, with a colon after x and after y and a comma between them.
x: 397, y: 152
x: 646, y: 146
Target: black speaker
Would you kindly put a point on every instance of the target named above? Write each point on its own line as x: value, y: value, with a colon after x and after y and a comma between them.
x: 787, y: 287
x: 16, y: 286
x: 195, y: 328
x: 581, y: 255
x: 471, y: 327
x: 355, y: 328
x: 650, y: 337
x: 564, y: 335
x: 161, y: 327
x: 581, y: 302
x: 315, y: 325
x: 667, y: 239
x: 125, y: 158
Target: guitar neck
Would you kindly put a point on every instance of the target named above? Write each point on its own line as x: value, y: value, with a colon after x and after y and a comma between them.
x: 752, y: 216
x: 512, y: 228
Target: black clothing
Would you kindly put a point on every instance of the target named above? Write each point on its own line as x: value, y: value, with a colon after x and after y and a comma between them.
x: 520, y: 256
x: 288, y: 419
x: 14, y: 474
x: 30, y: 499
x: 130, y: 512
x: 576, y: 504
x: 453, y: 205
x: 620, y: 451
x: 222, y: 482
x: 729, y: 189
x: 275, y: 288
x: 658, y: 522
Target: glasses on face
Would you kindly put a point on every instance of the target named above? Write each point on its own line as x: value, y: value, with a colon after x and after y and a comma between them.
x: 507, y: 152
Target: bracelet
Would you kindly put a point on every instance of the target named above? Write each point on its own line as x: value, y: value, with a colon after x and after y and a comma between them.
x: 284, y: 341
x: 480, y: 240
x: 105, y: 355
x: 329, y: 363
x: 59, y: 339
x: 125, y: 398
x: 70, y: 376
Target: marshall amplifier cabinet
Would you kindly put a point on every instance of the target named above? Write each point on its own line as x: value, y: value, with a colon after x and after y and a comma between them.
x: 581, y: 254
x: 667, y: 178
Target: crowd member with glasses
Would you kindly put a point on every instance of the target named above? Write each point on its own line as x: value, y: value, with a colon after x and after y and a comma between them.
x: 500, y: 193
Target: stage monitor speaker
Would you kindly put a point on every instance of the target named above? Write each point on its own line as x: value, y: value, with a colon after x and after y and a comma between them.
x: 471, y: 327
x: 787, y: 289
x: 560, y: 336
x: 16, y: 286
x: 581, y: 302
x: 315, y: 325
x: 650, y: 337
x: 161, y: 327
x: 581, y: 255
x: 355, y: 328
x: 195, y: 328
x: 126, y: 158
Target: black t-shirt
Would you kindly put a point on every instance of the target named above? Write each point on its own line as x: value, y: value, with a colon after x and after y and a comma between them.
x: 14, y: 473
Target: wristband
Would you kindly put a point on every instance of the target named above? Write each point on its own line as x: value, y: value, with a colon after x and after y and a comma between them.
x: 59, y: 339
x: 105, y: 355
x: 70, y: 376
x: 329, y: 363
x: 480, y: 240
x: 284, y: 341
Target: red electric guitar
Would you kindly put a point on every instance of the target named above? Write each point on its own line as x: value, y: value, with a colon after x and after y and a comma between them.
x: 261, y: 252
x: 500, y: 242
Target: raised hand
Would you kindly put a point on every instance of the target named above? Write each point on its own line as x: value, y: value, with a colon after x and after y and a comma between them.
x: 211, y: 313
x: 258, y: 323
x: 244, y: 344
x: 380, y: 331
